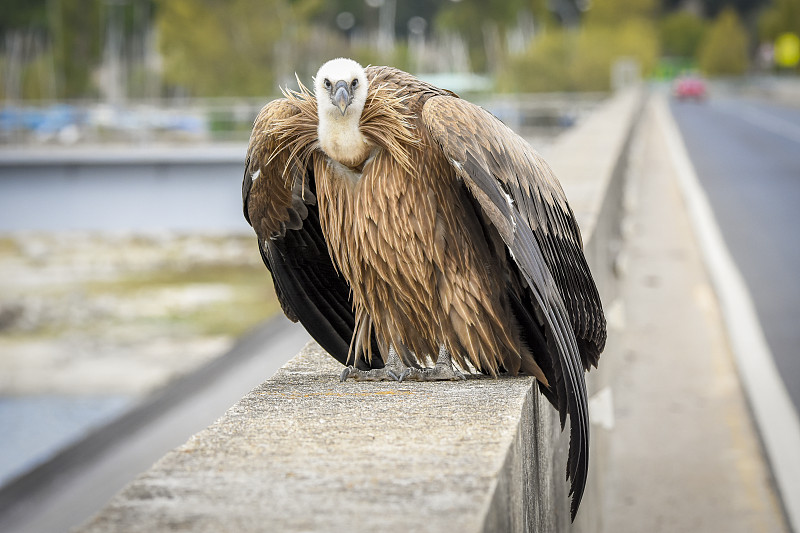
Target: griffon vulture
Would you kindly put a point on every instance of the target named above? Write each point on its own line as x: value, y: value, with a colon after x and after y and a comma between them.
x: 402, y: 223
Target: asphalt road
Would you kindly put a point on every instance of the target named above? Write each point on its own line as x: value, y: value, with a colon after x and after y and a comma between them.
x: 79, y: 481
x: 747, y: 156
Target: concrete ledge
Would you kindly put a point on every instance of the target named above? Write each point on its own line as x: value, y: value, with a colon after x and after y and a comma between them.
x: 303, y: 452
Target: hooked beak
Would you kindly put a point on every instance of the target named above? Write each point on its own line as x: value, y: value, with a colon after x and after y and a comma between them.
x: 341, y: 98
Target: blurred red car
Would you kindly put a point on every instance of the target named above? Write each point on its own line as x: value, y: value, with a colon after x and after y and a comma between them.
x: 690, y: 87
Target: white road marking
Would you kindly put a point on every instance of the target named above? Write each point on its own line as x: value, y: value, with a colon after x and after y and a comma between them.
x: 774, y: 413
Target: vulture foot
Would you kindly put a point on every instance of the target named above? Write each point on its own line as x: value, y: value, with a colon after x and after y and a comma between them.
x: 442, y: 371
x: 437, y: 373
x: 376, y: 374
x: 394, y: 370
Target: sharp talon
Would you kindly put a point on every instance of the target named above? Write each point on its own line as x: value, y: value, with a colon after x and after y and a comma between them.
x: 346, y: 373
x: 393, y: 370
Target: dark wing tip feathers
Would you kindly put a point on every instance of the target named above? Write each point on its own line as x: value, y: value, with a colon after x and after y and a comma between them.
x: 495, y: 164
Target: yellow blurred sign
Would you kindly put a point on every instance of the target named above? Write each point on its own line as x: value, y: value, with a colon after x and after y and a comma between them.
x: 787, y: 49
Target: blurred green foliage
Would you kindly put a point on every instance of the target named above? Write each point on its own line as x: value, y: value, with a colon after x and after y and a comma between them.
x: 681, y: 34
x: 600, y: 46
x: 52, y: 47
x: 18, y: 14
x: 60, y: 48
x: 476, y: 20
x: 582, y: 59
x: 233, y: 41
x: 781, y: 17
x: 77, y: 37
x: 724, y: 50
x: 541, y: 68
x: 611, y: 13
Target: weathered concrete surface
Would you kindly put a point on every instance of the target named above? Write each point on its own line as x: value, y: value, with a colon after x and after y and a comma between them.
x: 306, y: 453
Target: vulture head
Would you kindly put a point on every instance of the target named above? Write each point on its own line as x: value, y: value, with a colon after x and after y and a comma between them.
x: 340, y: 88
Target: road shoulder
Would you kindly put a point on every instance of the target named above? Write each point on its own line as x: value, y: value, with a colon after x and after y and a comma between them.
x: 684, y: 455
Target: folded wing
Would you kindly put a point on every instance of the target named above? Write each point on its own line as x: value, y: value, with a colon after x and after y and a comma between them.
x: 520, y: 196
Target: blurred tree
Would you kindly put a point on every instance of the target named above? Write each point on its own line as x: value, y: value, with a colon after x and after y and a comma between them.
x: 23, y: 14
x: 599, y: 47
x: 225, y: 48
x: 38, y: 81
x: 50, y: 42
x: 615, y: 12
x: 542, y: 67
x: 681, y: 34
x: 480, y: 23
x: 77, y: 44
x: 724, y: 48
x: 782, y: 16
x: 713, y: 8
x: 582, y: 59
x: 366, y: 14
x: 562, y: 60
x: 23, y: 31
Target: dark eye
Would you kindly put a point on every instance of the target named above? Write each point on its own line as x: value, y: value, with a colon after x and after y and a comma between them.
x: 327, y: 83
x: 354, y: 84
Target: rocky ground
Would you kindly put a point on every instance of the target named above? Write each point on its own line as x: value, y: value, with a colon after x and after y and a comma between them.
x: 92, y: 314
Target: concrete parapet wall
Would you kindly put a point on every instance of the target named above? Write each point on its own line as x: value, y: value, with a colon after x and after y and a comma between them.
x: 303, y: 452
